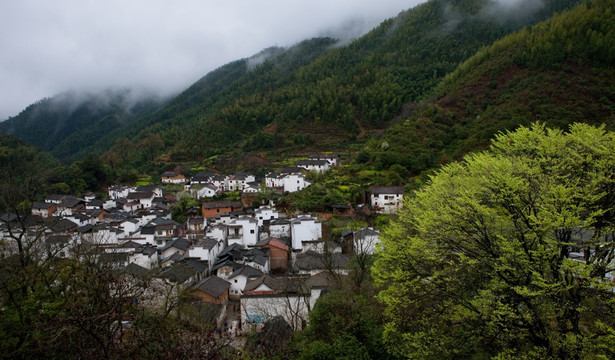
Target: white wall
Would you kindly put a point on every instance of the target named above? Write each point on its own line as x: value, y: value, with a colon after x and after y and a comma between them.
x: 304, y: 229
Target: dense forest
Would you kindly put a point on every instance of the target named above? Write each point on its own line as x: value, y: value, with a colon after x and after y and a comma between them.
x: 416, y: 102
x: 69, y: 125
x: 557, y: 72
x: 314, y: 94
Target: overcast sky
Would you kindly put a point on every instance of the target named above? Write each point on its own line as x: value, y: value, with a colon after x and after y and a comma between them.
x: 47, y: 47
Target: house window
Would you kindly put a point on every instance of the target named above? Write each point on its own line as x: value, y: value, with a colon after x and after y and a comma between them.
x: 252, y: 231
x: 235, y: 281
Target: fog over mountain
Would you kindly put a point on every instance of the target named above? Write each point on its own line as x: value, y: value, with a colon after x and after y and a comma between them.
x: 50, y: 47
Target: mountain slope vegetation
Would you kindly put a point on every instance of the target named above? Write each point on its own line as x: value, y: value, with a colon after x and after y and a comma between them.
x: 318, y: 95
x: 557, y: 72
x: 70, y: 125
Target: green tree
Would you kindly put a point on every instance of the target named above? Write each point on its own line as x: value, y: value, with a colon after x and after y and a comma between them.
x: 179, y: 210
x: 507, y: 254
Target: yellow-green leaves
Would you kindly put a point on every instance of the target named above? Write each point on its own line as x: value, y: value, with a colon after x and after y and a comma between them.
x: 510, y: 249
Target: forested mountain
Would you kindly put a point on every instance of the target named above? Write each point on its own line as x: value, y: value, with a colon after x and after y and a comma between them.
x: 70, y: 125
x: 318, y: 94
x: 557, y: 72
x: 24, y: 172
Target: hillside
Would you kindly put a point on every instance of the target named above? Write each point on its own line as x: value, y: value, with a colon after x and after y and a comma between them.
x: 70, y: 125
x: 557, y: 72
x: 25, y: 172
x: 317, y: 95
x: 314, y: 96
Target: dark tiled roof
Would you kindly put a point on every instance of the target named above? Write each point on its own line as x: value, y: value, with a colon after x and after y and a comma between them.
x: 179, y: 243
x: 217, y: 204
x: 114, y: 257
x: 96, y: 202
x: 314, y: 261
x: 70, y: 203
x: 386, y: 190
x: 136, y: 270
x: 247, y: 271
x: 277, y: 284
x: 64, y: 225
x: 178, y: 272
x: 291, y: 170
x: 213, y: 286
x: 140, y: 195
x: 42, y: 205
x: 147, y: 188
x: 148, y: 230
x: 312, y: 162
x: 54, y: 197
x: 280, y: 222
x: 226, y: 262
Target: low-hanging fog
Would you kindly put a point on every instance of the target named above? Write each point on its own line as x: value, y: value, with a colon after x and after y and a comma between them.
x: 49, y: 47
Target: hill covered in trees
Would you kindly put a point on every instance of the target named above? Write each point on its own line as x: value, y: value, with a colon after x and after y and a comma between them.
x: 72, y: 124
x: 316, y: 94
x: 557, y: 72
x: 322, y: 95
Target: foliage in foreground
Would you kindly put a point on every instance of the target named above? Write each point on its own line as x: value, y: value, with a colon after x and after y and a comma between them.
x: 507, y: 254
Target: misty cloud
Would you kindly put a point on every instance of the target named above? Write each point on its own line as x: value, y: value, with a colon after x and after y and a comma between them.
x: 50, y: 47
x: 506, y: 10
x: 511, y: 9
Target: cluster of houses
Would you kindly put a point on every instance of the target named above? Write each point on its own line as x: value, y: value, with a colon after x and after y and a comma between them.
x: 259, y: 260
x: 292, y: 179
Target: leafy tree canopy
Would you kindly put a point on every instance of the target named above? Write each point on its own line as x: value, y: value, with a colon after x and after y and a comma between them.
x: 507, y: 254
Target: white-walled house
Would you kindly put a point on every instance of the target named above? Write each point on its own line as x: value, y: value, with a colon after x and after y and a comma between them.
x: 332, y: 159
x: 274, y: 180
x: 295, y: 182
x: 109, y: 204
x: 267, y: 297
x: 220, y: 182
x: 105, y: 235
x: 144, y: 198
x: 146, y: 257
x: 173, y: 177
x: 44, y: 209
x: 252, y: 188
x: 130, y: 226
x: 204, y: 190
x: 207, y: 249
x: 365, y: 240
x: 305, y: 229
x: 320, y: 166
x: 243, y: 231
x: 386, y: 199
x: 239, y: 279
x: 218, y: 232
x: 279, y: 228
x: 120, y: 191
x: 148, y: 188
x: 265, y: 213
x: 239, y: 181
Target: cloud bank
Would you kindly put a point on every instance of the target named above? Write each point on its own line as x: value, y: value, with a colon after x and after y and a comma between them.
x: 161, y: 45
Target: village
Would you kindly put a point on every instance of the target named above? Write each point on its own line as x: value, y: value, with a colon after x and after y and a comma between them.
x: 246, y: 264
